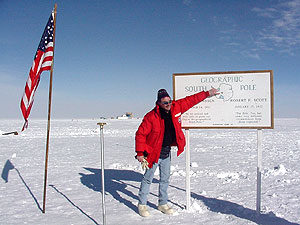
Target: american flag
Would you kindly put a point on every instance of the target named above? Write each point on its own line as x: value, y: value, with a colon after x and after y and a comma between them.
x: 42, y: 62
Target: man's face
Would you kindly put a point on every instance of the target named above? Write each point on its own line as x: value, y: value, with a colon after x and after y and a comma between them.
x: 165, y: 103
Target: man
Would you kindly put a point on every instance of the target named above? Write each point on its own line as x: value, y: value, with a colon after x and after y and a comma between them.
x: 159, y: 130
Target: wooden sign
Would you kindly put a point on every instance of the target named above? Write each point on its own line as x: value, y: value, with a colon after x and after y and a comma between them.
x: 245, y: 99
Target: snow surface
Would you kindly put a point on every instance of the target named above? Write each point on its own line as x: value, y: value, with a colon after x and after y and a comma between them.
x: 223, y: 175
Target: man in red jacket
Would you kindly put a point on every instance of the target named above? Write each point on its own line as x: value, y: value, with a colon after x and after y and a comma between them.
x: 159, y: 130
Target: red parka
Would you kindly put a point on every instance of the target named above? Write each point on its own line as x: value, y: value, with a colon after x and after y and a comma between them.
x: 150, y: 134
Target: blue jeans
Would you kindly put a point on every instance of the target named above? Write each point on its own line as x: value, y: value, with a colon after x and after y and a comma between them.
x: 164, y: 174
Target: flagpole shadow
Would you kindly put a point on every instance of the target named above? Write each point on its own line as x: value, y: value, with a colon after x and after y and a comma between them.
x: 5, y: 173
x: 30, y: 192
x: 73, y: 204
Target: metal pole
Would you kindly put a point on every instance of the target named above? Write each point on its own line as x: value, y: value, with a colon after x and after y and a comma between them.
x: 102, y: 170
x: 187, y: 169
x: 259, y: 167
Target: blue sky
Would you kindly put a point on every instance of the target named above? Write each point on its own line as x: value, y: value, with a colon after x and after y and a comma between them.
x: 111, y: 57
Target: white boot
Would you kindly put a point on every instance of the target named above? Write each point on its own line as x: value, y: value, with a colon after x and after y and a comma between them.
x: 143, y: 210
x: 165, y: 209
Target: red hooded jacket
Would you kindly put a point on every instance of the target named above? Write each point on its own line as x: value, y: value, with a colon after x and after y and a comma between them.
x: 150, y: 134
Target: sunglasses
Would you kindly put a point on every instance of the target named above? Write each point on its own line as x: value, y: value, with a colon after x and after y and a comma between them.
x: 167, y: 102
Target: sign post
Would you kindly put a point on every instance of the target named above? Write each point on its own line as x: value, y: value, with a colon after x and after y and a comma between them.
x: 246, y: 101
x: 188, y: 168
x: 102, y: 170
x: 259, y: 168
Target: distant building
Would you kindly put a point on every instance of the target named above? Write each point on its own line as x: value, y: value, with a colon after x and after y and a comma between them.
x: 127, y: 115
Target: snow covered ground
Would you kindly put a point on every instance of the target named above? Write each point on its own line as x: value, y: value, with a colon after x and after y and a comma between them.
x: 223, y: 175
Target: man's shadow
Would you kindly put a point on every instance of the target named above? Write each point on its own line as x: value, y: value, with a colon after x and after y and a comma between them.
x: 116, y: 181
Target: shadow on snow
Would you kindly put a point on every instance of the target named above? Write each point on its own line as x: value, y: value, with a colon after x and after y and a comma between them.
x: 72, y: 203
x: 5, y: 172
x: 117, y: 181
x: 231, y: 208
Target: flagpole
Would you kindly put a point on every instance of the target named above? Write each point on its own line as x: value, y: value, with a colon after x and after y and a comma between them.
x: 49, y: 115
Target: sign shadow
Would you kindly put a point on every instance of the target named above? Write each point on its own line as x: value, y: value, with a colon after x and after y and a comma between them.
x: 231, y: 208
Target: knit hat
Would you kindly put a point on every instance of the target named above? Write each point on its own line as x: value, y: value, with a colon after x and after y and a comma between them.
x: 161, y: 94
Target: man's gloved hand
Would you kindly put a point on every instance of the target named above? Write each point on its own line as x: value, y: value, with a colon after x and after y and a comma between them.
x: 143, y: 161
x: 213, y: 92
x: 145, y: 164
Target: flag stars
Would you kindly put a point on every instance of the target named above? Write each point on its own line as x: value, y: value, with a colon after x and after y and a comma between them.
x: 47, y: 36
